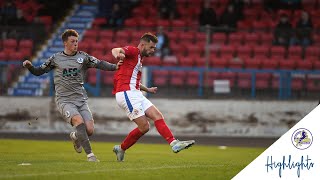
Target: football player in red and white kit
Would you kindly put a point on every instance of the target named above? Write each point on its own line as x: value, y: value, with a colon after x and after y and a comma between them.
x: 127, y: 88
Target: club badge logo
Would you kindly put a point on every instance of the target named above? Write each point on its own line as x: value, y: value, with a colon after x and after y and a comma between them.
x: 302, y: 138
x: 80, y: 60
x: 67, y: 114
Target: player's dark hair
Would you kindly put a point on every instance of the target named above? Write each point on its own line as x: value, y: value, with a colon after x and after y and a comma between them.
x: 67, y: 33
x: 149, y: 37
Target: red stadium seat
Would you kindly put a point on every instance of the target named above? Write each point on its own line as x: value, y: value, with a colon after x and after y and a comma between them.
x: 244, y: 51
x: 287, y: 64
x: 252, y: 39
x: 219, y: 62
x: 152, y: 61
x: 231, y: 76
x: 26, y: 43
x: 177, y: 78
x: 261, y: 51
x: 269, y: 63
x: 304, y: 65
x: 186, y: 61
x: 123, y: 35
x: 219, y: 38
x: 244, y: 80
x: 106, y: 34
x: 294, y: 51
x: 227, y: 49
x: 236, y: 63
x: 107, y: 77
x: 236, y: 38
x: 252, y: 63
x: 277, y: 51
x: 10, y: 44
x: 312, y: 51
x: 192, y: 78
x: 187, y: 37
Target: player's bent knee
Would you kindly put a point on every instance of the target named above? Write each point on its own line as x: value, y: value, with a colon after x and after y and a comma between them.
x: 90, y: 131
x: 144, y: 128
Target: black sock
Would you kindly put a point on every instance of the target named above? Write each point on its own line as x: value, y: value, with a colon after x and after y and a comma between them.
x: 83, y: 138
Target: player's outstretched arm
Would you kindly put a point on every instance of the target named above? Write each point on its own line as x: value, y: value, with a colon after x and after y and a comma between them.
x: 118, y: 53
x: 106, y: 66
x: 37, y: 71
x: 149, y: 90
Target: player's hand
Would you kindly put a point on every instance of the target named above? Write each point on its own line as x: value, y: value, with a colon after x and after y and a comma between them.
x: 120, y: 56
x: 119, y: 64
x: 27, y: 64
x: 152, y: 90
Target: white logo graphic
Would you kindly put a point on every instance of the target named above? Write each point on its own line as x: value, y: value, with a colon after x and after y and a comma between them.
x: 67, y: 114
x: 80, y: 60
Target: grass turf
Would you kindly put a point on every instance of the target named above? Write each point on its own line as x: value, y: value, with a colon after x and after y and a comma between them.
x: 58, y: 160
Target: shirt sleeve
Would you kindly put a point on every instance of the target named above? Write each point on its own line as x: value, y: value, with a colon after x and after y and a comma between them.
x: 130, y: 51
x: 48, y: 65
x: 91, y: 61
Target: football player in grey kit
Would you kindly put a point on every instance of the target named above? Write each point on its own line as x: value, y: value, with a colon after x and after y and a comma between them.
x: 71, y: 98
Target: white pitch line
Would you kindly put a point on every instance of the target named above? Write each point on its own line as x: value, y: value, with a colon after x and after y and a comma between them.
x: 107, y: 170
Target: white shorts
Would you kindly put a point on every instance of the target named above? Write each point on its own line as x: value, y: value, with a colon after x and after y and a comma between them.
x: 133, y: 102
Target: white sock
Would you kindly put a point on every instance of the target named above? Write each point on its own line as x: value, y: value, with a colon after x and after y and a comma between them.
x: 89, y: 155
x: 173, y: 142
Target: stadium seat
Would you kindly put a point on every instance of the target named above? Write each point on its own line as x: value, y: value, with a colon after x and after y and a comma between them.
x: 252, y: 63
x: 106, y: 34
x: 244, y: 51
x: 170, y: 61
x: 26, y: 43
x: 269, y: 63
x: 107, y: 77
x: 192, y: 78
x: 313, y: 83
x: 219, y: 38
x: 10, y: 44
x: 231, y: 76
x: 287, y: 64
x: 91, y: 34
x: 294, y: 51
x: 211, y: 76
x: 187, y: 37
x: 251, y: 39
x: 266, y: 39
x: 236, y: 38
x: 219, y: 62
x: 177, y: 78
x: 312, y: 51
x: 304, y: 65
x: 123, y: 35
x: 132, y: 22
x: 186, y: 61
x: 160, y: 77
x: 227, y: 50
x: 3, y: 56
x: 261, y: 51
x: 244, y: 80
x: 277, y: 51
x: 236, y: 63
x: 152, y: 61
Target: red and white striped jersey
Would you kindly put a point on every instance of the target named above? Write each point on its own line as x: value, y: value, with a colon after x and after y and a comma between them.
x: 128, y: 75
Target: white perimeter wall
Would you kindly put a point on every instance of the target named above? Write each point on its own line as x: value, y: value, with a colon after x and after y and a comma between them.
x: 184, y: 117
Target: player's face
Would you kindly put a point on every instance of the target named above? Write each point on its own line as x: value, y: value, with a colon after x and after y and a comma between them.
x: 149, y: 49
x: 71, y: 44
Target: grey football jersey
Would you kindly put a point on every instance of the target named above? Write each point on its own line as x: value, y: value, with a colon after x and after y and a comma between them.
x: 69, y: 74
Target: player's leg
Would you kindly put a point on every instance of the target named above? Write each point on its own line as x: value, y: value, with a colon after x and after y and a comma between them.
x: 89, y: 125
x: 130, y: 103
x: 153, y: 113
x: 68, y: 111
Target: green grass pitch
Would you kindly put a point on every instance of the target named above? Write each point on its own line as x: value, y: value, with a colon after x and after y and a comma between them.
x: 58, y: 160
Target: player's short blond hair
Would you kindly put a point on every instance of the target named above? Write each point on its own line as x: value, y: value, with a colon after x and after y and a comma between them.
x: 67, y: 33
x: 149, y: 37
